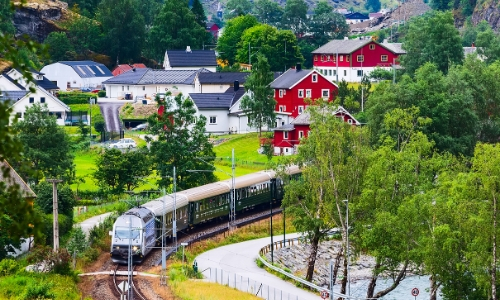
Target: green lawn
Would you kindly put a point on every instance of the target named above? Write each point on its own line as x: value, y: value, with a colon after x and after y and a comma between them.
x: 84, y: 167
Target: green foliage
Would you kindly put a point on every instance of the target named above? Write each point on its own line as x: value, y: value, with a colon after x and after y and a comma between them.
x: 38, y: 291
x: 232, y: 35
x: 295, y: 16
x: 373, y: 5
x: 58, y: 46
x: 236, y: 8
x: 175, y: 27
x: 260, y: 105
x: 101, y: 93
x: 123, y: 29
x: 199, y: 13
x: 84, y: 34
x: 6, y: 18
x: 122, y: 170
x: 44, y: 258
x: 8, y: 267
x: 99, y: 123
x: 268, y: 12
x: 326, y: 24
x: 77, y: 242
x: 71, y: 98
x: 182, y: 143
x: 381, y: 74
x: 432, y: 38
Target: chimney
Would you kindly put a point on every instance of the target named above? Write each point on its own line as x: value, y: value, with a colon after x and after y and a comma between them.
x: 236, y: 85
x: 473, y: 45
x: 188, y: 49
x: 298, y: 67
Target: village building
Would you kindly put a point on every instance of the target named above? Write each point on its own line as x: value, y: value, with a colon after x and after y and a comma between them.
x: 120, y: 69
x: 77, y: 75
x: 190, y: 59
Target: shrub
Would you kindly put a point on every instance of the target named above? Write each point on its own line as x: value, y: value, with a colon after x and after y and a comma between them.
x: 75, y: 97
x: 7, y: 267
x: 101, y: 93
x: 78, y: 241
x: 38, y: 291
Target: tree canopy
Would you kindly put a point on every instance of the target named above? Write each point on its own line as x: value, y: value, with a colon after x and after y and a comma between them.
x: 232, y: 35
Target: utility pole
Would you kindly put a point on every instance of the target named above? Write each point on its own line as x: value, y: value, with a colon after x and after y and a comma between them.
x: 55, y: 212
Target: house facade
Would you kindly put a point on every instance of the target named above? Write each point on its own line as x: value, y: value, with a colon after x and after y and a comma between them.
x: 15, y: 89
x: 73, y: 75
x: 190, y: 60
x: 218, y: 82
x: 138, y: 84
x: 287, y: 137
x: 294, y: 88
x: 353, y: 59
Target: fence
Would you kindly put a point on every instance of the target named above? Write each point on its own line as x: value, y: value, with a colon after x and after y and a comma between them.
x: 247, y: 285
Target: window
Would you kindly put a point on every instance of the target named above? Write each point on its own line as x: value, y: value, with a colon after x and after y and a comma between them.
x: 32, y: 100
x: 281, y: 108
x: 334, y: 59
x: 19, y: 115
x: 334, y: 72
x: 301, y: 134
x: 384, y: 58
x: 342, y: 58
x: 301, y: 93
x: 322, y: 58
x: 285, y: 135
x: 213, y: 120
x: 128, y: 88
x: 349, y: 121
x: 361, y: 58
x: 328, y: 58
x: 281, y: 93
x: 42, y: 99
x: 68, y: 85
x: 372, y: 46
x: 314, y: 77
x: 325, y: 94
x: 347, y: 58
x: 329, y: 72
x: 123, y: 88
x: 345, y: 72
x: 315, y: 58
x: 301, y: 109
x: 360, y: 73
x: 308, y: 93
x: 248, y: 119
x: 143, y: 87
x: 58, y: 115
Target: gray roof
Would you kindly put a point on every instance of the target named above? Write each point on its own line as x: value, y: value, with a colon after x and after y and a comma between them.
x: 341, y: 46
x: 302, y: 119
x: 217, y: 100
x: 13, y: 96
x: 286, y: 127
x: 289, y: 78
x: 193, y: 58
x: 394, y: 47
x: 14, y: 178
x: 88, y: 69
x: 222, y: 77
x: 13, y: 81
x: 47, y: 84
x: 150, y: 76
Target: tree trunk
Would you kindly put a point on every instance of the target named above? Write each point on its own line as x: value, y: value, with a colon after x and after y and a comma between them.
x: 434, y: 288
x: 494, y: 262
x: 344, y: 280
x: 373, y: 282
x: 312, y: 257
x: 337, y: 264
x: 401, y: 276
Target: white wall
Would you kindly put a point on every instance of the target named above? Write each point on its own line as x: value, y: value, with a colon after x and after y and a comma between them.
x: 7, y: 85
x: 348, y: 74
x: 213, y: 88
x: 53, y: 106
x: 194, y: 68
x: 63, y: 74
x: 139, y: 91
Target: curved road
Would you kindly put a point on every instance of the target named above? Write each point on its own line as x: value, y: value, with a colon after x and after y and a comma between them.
x: 109, y: 111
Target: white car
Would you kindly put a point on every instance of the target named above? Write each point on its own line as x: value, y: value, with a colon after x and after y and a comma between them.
x: 124, y: 144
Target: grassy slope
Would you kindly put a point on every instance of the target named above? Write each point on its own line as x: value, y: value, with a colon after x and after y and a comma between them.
x: 23, y: 284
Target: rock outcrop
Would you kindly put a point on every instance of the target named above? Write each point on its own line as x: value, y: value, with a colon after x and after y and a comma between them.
x: 489, y: 11
x: 37, y: 20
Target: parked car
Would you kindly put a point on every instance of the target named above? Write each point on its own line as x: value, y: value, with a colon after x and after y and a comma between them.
x: 140, y: 127
x: 124, y: 144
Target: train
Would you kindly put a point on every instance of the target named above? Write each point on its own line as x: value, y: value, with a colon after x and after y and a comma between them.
x: 140, y: 228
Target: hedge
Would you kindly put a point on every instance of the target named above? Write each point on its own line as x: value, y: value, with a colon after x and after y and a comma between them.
x: 76, y: 97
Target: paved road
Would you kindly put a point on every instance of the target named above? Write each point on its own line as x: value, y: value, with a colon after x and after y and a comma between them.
x: 236, y: 264
x: 88, y: 224
x: 109, y: 111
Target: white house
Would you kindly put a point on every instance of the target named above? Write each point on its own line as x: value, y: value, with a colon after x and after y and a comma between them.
x: 146, y: 83
x: 69, y: 75
x: 218, y: 82
x: 17, y: 92
x: 190, y: 60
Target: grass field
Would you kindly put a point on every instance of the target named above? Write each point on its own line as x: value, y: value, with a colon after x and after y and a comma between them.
x: 84, y: 167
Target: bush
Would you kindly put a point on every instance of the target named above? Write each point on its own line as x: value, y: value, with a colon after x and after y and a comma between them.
x: 8, y: 267
x: 75, y: 97
x: 101, y: 94
x: 39, y: 291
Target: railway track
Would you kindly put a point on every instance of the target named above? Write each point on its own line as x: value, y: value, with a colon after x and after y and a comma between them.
x: 122, y: 288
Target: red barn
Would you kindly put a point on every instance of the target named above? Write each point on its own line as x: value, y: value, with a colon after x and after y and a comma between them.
x: 293, y: 87
x: 287, y: 137
x: 355, y: 58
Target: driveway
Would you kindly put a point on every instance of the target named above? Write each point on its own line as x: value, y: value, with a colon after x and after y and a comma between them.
x: 110, y: 112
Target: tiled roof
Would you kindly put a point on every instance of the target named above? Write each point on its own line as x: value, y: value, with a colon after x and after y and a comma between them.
x: 88, y: 69
x: 13, y: 96
x: 394, y: 47
x: 222, y: 77
x: 13, y: 81
x: 341, y: 46
x: 47, y: 84
x: 150, y: 76
x: 14, y: 179
x: 193, y: 58
x: 289, y: 78
x: 217, y: 100
x: 356, y: 15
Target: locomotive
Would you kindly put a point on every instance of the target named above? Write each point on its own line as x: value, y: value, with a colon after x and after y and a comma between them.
x: 140, y: 228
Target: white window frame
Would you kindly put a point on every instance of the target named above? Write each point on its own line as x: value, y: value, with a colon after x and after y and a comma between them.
x: 372, y: 46
x: 314, y: 77
x: 214, y: 122
x: 300, y: 109
x: 280, y: 93
x: 384, y: 56
x: 308, y: 93
x: 360, y: 58
x: 360, y: 73
x: 301, y: 93
x: 327, y: 94
x: 342, y: 58
x: 349, y: 121
x: 281, y: 108
x: 301, y: 134
x: 285, y: 135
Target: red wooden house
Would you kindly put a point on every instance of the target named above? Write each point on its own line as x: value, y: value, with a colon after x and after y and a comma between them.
x: 287, y: 137
x: 352, y: 59
x: 214, y: 30
x: 293, y: 87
